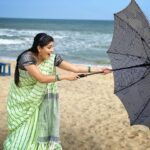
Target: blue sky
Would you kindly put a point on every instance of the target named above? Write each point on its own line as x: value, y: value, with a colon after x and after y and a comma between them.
x: 67, y: 9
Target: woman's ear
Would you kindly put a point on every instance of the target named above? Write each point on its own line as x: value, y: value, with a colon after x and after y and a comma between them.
x: 39, y: 48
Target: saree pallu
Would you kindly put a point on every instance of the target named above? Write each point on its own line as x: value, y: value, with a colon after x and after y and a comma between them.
x: 33, y: 112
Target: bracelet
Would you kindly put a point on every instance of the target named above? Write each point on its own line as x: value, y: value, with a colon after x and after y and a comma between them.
x: 89, y: 68
x: 57, y: 78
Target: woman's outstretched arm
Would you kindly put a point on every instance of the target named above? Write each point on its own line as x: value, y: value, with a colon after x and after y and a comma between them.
x: 81, y: 68
x: 35, y: 72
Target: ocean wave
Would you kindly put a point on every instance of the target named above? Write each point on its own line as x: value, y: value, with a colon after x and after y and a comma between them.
x: 7, y: 32
x: 59, y: 36
x: 73, y: 45
x: 70, y: 41
x: 10, y: 42
x: 22, y: 33
x: 78, y: 41
x: 56, y: 34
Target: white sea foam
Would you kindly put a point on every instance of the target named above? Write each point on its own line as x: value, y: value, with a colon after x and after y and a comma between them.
x: 14, y: 32
x: 8, y: 41
x: 59, y: 37
x: 7, y: 32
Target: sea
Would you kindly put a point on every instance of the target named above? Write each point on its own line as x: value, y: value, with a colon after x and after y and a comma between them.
x: 77, y: 41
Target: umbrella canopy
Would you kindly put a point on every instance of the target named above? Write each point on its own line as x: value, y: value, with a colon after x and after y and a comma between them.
x: 130, y: 49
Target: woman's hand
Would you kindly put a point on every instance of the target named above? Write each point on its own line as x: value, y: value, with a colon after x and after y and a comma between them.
x: 106, y: 70
x: 72, y: 76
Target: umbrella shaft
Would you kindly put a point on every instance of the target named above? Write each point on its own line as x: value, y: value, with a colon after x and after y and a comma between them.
x: 136, y: 66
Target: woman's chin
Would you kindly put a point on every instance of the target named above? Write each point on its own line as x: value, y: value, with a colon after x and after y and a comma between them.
x: 48, y: 56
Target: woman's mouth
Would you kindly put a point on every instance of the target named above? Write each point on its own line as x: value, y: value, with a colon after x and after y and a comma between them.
x: 48, y: 54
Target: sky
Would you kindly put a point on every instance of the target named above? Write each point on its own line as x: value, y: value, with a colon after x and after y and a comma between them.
x: 67, y: 9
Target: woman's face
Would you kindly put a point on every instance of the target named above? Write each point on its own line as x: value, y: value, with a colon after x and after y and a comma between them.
x: 46, y: 51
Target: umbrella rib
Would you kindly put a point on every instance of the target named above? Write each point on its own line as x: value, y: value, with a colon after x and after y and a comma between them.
x: 141, y: 112
x: 144, y: 105
x: 145, y: 49
x: 128, y: 86
x: 126, y: 54
x: 133, y: 83
x: 134, y: 31
x: 136, y: 66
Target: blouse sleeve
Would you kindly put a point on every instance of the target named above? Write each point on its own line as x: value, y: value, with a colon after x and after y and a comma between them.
x: 58, y: 60
x: 26, y: 59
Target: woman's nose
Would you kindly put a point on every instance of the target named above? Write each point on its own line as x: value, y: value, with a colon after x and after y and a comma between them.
x: 52, y: 49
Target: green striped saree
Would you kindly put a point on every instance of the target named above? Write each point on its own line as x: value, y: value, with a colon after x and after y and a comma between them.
x: 33, y: 112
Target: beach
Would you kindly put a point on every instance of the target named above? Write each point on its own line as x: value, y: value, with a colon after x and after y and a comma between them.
x: 92, y: 117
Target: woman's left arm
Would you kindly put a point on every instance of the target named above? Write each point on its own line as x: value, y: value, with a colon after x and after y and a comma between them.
x: 79, y: 68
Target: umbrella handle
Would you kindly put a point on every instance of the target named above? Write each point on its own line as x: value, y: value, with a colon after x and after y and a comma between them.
x: 85, y: 75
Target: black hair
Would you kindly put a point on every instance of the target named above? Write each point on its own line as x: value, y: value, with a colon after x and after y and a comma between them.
x: 41, y: 39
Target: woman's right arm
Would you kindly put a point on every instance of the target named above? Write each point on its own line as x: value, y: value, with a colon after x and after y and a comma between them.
x: 35, y: 72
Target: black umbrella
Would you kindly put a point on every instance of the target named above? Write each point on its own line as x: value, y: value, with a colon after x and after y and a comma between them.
x: 130, y: 58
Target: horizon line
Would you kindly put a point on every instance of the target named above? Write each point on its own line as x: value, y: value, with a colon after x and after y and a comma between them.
x: 57, y: 19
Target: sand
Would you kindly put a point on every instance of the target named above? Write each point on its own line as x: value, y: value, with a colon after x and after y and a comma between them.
x: 92, y: 117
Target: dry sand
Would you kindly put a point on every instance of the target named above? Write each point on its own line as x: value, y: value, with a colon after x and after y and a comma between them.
x: 92, y: 117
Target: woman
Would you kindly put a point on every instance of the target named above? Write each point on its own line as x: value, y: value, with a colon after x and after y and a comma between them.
x: 33, y: 110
